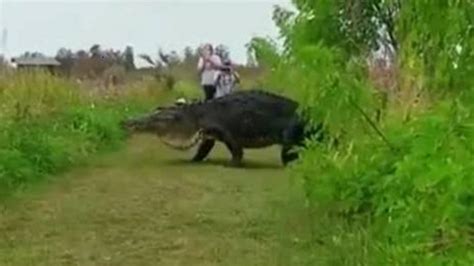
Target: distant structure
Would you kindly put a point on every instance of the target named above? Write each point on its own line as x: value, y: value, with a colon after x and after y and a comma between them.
x: 29, y: 63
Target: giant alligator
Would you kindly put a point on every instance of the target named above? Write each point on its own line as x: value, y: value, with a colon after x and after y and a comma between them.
x: 244, y: 119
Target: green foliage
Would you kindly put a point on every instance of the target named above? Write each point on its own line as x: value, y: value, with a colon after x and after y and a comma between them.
x: 439, y: 44
x: 188, y: 90
x: 416, y: 202
x: 407, y: 200
x: 353, y: 26
x: 264, y: 50
x: 47, y: 125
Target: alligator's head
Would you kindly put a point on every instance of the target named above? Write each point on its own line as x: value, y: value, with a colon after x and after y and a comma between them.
x: 175, y: 126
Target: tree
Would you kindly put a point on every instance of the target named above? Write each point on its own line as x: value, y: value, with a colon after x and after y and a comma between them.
x: 356, y: 27
x: 163, y: 65
x: 129, y: 59
x: 67, y: 59
x: 81, y: 54
x: 95, y: 50
x: 155, y: 63
x: 251, y: 57
x: 189, y: 54
x: 262, y: 52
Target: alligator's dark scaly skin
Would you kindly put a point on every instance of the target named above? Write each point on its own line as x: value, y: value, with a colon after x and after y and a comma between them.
x: 242, y: 120
x: 249, y: 119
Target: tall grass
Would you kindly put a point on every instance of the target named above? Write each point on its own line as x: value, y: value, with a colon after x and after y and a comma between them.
x: 399, y: 187
x: 49, y: 123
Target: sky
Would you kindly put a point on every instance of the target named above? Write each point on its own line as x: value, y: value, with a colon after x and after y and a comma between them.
x: 146, y: 25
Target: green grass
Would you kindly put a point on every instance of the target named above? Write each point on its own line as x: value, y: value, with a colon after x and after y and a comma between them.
x: 84, y: 202
x: 147, y: 205
x: 48, y: 124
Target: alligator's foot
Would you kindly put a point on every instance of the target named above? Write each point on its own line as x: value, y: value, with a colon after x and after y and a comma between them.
x: 287, y: 156
x: 235, y: 163
x: 196, y: 160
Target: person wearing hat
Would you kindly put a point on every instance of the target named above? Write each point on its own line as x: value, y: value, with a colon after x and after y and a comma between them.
x: 227, y: 77
x: 226, y: 80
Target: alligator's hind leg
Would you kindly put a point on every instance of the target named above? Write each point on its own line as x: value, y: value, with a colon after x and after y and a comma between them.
x: 235, y: 149
x: 237, y: 154
x: 204, y: 149
x: 292, y: 136
x: 287, y: 155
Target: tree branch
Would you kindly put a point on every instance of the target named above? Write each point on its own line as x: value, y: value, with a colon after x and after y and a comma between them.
x: 373, y: 125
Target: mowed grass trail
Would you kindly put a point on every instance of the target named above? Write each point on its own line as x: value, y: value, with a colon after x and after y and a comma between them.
x: 146, y: 205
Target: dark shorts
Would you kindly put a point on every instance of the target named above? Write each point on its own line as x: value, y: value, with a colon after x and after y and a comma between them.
x: 209, y: 91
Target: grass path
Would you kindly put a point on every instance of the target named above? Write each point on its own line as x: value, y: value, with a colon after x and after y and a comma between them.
x: 146, y: 205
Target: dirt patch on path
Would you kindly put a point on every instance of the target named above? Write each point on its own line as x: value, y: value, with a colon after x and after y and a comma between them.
x: 147, y: 205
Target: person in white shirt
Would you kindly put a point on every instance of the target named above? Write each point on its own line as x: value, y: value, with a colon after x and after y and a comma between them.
x: 209, y: 65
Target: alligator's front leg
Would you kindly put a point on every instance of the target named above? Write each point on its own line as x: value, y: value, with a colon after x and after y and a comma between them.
x: 213, y: 133
x: 204, y: 149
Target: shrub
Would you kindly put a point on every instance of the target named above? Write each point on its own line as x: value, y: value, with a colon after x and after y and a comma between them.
x: 398, y: 189
x: 48, y: 124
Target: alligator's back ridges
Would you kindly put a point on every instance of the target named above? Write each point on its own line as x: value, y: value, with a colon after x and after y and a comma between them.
x: 253, y: 93
x: 244, y: 95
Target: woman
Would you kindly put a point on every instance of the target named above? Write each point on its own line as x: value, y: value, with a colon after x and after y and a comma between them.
x: 228, y: 77
x: 227, y: 80
x: 208, y: 66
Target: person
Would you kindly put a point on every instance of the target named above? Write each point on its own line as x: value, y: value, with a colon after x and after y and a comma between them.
x: 226, y: 80
x: 209, y: 66
x: 227, y: 77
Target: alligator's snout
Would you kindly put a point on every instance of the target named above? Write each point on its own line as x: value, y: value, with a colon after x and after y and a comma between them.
x: 124, y: 127
x: 136, y: 125
x: 124, y: 124
x: 127, y: 126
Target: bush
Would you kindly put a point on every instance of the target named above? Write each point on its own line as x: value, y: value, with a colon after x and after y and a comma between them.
x: 399, y: 187
x: 48, y: 124
x: 413, y: 205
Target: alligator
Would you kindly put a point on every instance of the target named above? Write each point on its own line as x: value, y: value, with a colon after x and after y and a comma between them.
x: 246, y: 119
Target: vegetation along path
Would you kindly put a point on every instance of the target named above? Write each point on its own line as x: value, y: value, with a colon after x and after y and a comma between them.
x: 146, y: 205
